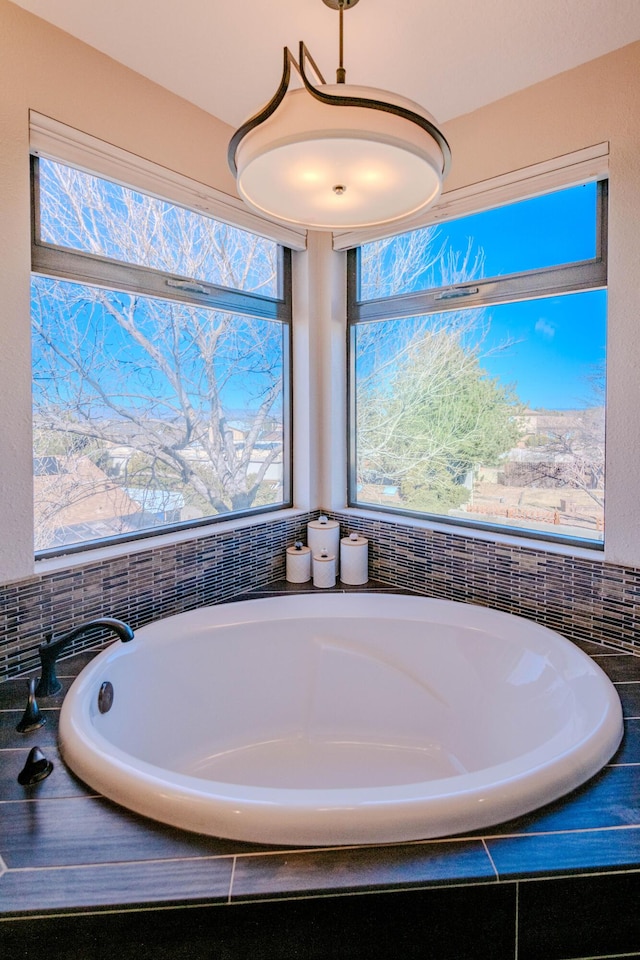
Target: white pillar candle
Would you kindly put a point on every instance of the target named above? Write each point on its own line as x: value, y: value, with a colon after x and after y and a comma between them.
x: 354, y: 559
x: 324, y: 570
x: 324, y: 535
x: 298, y: 563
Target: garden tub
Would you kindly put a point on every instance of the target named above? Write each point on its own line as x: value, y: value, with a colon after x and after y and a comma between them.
x: 316, y: 719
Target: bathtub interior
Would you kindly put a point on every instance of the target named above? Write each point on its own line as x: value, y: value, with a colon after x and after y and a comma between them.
x: 342, y: 701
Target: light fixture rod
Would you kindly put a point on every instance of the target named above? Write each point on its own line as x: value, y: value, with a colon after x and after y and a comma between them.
x: 341, y: 73
x: 341, y: 6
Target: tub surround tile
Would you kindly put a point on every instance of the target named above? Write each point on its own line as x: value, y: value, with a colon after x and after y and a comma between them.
x: 443, y: 924
x: 579, y: 917
x: 361, y: 868
x: 620, y: 667
x: 85, y: 830
x: 629, y: 694
x: 610, y: 799
x: 14, y: 692
x: 597, y: 650
x: 43, y: 736
x: 525, y: 857
x: 284, y: 588
x: 629, y: 750
x: 117, y: 885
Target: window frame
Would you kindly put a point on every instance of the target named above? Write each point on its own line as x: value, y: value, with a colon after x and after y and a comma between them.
x: 76, y: 266
x: 574, y: 277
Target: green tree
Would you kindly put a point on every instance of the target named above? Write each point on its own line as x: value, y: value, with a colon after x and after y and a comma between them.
x: 432, y: 413
x: 427, y: 412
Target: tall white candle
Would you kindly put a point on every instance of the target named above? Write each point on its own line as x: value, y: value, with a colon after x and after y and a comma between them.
x: 354, y: 559
x: 324, y: 534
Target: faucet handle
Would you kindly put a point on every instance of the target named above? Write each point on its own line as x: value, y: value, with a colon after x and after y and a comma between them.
x: 31, y: 719
x: 36, y: 768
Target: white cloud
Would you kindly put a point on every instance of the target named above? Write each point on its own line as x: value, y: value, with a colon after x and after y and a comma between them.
x: 545, y: 329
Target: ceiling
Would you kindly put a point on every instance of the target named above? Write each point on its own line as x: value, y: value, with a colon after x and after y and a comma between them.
x: 451, y: 57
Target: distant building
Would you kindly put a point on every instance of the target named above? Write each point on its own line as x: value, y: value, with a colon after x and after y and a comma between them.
x: 75, y: 500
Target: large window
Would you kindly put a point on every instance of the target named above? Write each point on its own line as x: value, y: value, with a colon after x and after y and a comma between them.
x: 160, y: 363
x: 477, y: 368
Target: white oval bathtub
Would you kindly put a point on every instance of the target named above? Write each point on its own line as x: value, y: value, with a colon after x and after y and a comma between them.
x: 340, y: 718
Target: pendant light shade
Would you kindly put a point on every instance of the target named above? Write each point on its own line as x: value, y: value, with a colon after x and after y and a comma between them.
x: 338, y: 156
x: 327, y: 166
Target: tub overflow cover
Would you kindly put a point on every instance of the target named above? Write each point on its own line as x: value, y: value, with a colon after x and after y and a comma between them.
x: 105, y: 697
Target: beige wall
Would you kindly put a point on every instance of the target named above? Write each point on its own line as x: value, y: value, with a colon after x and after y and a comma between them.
x: 590, y: 104
x: 46, y: 70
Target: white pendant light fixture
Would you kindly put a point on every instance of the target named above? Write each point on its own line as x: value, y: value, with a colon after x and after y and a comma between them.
x: 338, y: 156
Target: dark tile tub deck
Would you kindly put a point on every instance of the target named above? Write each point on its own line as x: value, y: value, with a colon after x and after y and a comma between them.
x: 83, y: 878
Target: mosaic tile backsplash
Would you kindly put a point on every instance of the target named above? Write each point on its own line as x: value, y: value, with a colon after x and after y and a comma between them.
x: 582, y: 599
x: 141, y: 587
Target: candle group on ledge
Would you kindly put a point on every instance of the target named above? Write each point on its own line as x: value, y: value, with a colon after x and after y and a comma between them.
x: 326, y: 556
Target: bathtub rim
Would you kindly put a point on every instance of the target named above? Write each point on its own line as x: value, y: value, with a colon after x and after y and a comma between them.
x: 329, y: 816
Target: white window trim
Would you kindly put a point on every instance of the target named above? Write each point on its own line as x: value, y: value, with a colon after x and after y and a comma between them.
x: 581, y: 166
x: 56, y: 141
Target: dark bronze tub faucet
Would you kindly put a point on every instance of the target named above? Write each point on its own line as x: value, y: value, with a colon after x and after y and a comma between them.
x: 52, y: 648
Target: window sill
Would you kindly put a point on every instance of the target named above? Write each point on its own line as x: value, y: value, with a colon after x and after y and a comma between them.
x: 594, y: 553
x: 155, y: 541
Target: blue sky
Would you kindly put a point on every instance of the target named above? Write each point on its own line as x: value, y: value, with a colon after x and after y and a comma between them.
x: 555, y: 228
x: 560, y: 341
x: 94, y: 215
x: 555, y: 344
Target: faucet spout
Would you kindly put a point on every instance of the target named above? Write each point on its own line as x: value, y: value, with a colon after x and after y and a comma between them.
x: 52, y: 648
